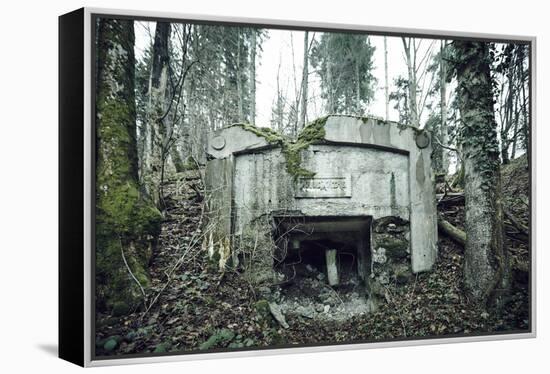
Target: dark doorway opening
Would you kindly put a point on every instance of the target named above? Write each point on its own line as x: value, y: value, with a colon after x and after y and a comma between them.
x: 332, y: 249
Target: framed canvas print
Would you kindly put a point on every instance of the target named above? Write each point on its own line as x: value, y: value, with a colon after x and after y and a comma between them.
x: 239, y: 186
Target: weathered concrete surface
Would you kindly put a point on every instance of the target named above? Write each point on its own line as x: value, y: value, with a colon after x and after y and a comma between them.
x: 364, y: 167
x: 423, y: 215
x: 218, y: 179
x: 234, y: 139
x: 332, y: 267
x: 379, y: 181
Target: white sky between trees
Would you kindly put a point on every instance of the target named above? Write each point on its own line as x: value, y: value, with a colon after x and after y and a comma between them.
x: 286, y: 47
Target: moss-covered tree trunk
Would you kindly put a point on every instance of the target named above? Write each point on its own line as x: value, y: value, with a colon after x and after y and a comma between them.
x: 484, y: 267
x: 127, y: 225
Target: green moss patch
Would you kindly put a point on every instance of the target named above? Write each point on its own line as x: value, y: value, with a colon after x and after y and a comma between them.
x: 313, y: 132
x: 262, y: 308
x: 270, y: 135
x: 395, y: 247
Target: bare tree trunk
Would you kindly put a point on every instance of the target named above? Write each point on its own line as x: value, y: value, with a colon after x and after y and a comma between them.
x: 305, y: 73
x: 485, y: 263
x: 386, y: 85
x: 505, y: 127
x: 239, y: 82
x: 444, y: 138
x: 157, y: 115
x: 278, y: 115
x: 524, y: 106
x: 253, y: 77
x: 413, y: 106
x: 516, y: 125
x: 331, y: 109
x: 357, y: 89
x: 147, y: 139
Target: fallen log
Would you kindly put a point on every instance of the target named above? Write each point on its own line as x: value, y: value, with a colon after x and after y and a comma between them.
x: 515, y: 222
x: 450, y: 194
x: 450, y: 198
x: 451, y: 231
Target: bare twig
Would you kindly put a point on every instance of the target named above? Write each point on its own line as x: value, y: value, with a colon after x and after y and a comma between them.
x: 130, y: 271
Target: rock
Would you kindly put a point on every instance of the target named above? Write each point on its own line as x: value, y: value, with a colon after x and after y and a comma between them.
x: 393, y: 228
x: 319, y: 308
x: 264, y: 291
x: 326, y: 308
x: 130, y: 336
x: 110, y: 344
x: 328, y: 298
x: 120, y: 308
x: 321, y: 276
x: 278, y: 315
x: 402, y: 274
x: 395, y: 248
x: 306, y: 311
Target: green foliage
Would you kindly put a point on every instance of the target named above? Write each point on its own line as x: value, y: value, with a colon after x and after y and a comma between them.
x: 401, y: 98
x: 344, y: 62
x: 262, y: 308
x: 240, y: 342
x: 219, y: 339
x: 274, y: 337
x: 224, y: 53
x: 162, y: 347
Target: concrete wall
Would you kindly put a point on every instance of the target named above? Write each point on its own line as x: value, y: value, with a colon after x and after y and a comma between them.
x: 423, y: 215
x: 377, y: 180
x: 364, y: 167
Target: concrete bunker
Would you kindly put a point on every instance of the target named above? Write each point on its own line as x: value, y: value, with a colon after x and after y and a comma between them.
x: 352, y: 197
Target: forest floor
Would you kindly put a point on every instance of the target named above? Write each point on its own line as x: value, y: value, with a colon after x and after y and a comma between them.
x: 191, y: 306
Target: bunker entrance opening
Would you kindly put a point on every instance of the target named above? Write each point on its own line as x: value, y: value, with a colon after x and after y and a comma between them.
x: 323, y: 251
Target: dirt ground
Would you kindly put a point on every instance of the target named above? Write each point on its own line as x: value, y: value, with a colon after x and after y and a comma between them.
x: 191, y: 306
